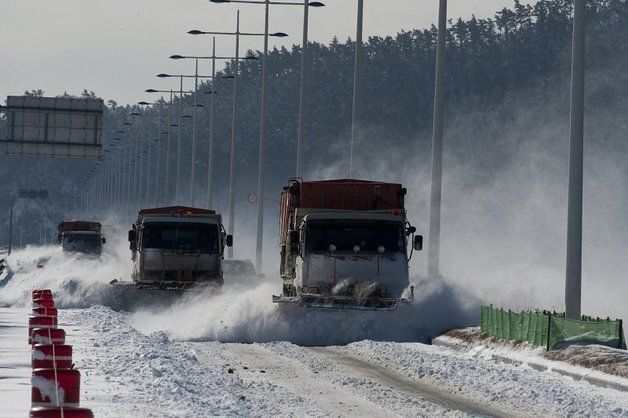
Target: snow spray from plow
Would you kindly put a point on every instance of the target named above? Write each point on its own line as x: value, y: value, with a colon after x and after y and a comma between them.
x: 245, y: 315
x: 241, y: 312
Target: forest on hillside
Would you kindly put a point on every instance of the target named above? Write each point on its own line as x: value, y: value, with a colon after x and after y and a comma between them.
x: 519, y: 57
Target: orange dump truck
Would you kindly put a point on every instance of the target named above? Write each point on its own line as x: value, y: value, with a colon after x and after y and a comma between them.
x: 81, y: 237
x: 344, y: 244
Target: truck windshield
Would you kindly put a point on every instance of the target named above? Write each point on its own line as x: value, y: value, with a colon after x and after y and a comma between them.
x: 201, y: 238
x: 346, y: 234
x: 82, y: 243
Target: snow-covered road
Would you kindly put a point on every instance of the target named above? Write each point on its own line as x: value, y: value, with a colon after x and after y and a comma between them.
x: 127, y: 373
x: 236, y: 353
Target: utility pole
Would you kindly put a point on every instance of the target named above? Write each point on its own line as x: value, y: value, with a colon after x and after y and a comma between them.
x: 433, y: 250
x: 357, y: 86
x: 573, y: 271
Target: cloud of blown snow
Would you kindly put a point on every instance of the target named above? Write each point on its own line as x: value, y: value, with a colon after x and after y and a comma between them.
x: 244, y: 313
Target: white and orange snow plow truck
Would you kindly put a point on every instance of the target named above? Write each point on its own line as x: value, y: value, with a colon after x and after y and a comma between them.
x: 344, y: 244
x: 83, y: 237
x: 178, y: 247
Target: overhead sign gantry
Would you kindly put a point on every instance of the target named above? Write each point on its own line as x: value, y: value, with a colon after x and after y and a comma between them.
x: 53, y: 126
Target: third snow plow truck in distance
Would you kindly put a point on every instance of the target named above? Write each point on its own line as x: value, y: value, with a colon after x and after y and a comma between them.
x: 178, y: 247
x: 344, y: 244
x: 81, y: 237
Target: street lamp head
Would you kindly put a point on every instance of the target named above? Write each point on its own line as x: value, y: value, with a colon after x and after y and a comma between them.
x: 195, y: 32
x: 176, y: 57
x: 163, y: 75
x: 143, y: 103
x: 220, y: 1
x: 279, y: 34
x: 150, y: 91
x: 317, y: 4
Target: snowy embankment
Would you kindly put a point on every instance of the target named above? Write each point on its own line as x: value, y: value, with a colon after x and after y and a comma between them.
x: 596, y: 364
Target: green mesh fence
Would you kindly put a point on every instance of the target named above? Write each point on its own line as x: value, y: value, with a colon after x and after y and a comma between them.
x: 548, y: 329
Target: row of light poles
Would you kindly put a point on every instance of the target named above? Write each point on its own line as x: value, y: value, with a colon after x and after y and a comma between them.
x: 306, y: 4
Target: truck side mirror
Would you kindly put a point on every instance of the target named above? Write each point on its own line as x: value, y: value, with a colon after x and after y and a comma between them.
x: 132, y: 235
x: 229, y: 240
x: 294, y: 241
x: 418, y: 242
x: 103, y: 240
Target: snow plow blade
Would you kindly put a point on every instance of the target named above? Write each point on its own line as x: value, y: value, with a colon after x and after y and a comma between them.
x: 340, y: 302
x: 169, y: 286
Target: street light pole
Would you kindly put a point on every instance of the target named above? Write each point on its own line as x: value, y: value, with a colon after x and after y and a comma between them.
x: 149, y: 139
x: 357, y: 86
x: 210, y: 146
x: 11, y: 225
x: 234, y: 119
x: 302, y: 89
x: 262, y: 145
x: 179, y: 145
x: 167, y: 184
x: 433, y: 251
x: 193, y: 177
x: 573, y: 271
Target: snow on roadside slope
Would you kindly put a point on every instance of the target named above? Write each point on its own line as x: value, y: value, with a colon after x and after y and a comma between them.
x: 127, y: 374
x: 524, y: 389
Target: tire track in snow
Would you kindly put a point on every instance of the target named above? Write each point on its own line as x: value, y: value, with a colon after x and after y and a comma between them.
x: 254, y: 363
x: 335, y: 383
x: 400, y: 383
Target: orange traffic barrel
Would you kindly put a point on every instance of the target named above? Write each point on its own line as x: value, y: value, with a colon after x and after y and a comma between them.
x: 48, y: 336
x: 51, y: 356
x: 45, y: 312
x: 49, y: 322
x: 43, y: 303
x: 42, y: 294
x: 55, y: 387
x: 60, y: 412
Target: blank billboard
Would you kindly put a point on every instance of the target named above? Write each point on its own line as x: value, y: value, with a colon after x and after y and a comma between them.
x: 54, y: 126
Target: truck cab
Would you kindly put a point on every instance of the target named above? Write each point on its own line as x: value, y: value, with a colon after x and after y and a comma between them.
x: 178, y: 247
x: 81, y: 237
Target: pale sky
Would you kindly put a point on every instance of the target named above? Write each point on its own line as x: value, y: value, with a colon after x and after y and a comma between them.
x: 116, y: 47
